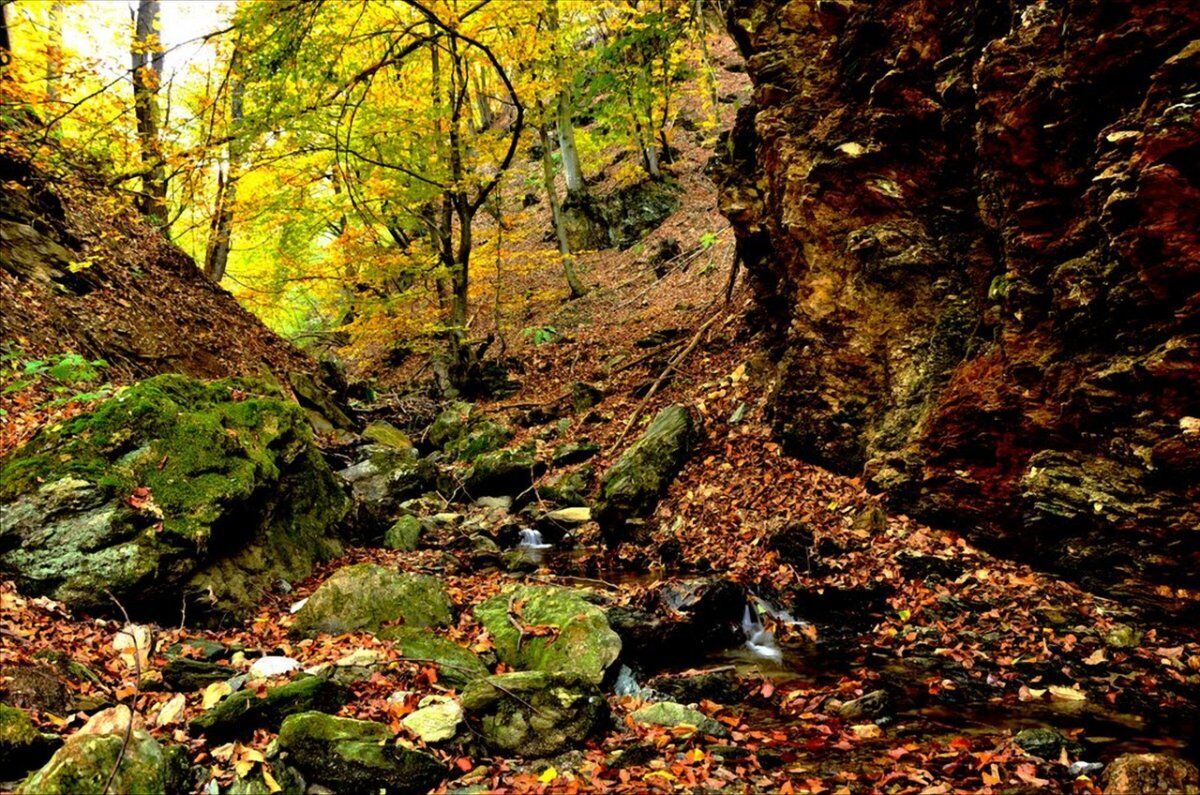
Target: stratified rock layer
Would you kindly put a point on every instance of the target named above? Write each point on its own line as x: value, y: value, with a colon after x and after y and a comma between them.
x: 975, y: 228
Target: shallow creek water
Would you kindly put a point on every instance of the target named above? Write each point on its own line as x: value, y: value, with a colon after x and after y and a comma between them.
x: 1105, y: 733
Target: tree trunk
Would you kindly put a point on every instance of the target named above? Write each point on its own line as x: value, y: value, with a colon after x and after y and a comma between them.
x: 54, y: 52
x: 216, y: 255
x: 572, y: 171
x: 564, y: 248
x: 5, y: 42
x: 482, y: 103
x: 147, y: 56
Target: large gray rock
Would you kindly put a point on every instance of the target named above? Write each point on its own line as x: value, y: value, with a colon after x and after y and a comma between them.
x: 583, y: 644
x: 632, y: 486
x: 532, y: 713
x: 173, y: 486
x: 355, y: 756
x: 365, y: 596
x: 379, y: 484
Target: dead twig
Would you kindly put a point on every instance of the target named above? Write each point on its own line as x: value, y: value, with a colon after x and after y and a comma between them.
x: 137, y: 672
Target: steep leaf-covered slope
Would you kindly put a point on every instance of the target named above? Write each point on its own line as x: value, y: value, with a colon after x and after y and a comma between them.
x: 976, y: 229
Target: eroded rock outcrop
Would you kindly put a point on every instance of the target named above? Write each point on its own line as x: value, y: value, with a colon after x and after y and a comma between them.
x: 976, y: 230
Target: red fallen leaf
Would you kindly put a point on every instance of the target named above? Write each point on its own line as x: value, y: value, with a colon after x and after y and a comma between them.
x: 464, y: 764
x: 767, y: 689
x: 139, y: 498
x: 960, y: 744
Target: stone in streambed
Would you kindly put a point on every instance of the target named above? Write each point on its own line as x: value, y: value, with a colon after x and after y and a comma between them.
x: 1144, y: 774
x: 870, y: 705
x: 244, y: 711
x: 365, y: 596
x: 534, y: 714
x: 671, y: 715
x: 508, y: 471
x: 184, y: 674
x: 435, y: 720
x: 355, y: 756
x: 1046, y: 743
x: 582, y: 644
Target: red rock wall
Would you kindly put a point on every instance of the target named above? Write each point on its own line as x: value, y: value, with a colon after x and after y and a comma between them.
x: 974, y: 228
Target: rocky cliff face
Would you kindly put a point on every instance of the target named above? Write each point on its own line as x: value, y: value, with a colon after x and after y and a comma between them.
x: 975, y: 229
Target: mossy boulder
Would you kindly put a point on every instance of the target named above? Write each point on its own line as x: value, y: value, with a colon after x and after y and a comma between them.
x: 241, y: 713
x: 507, y: 471
x: 22, y: 746
x: 365, y: 596
x: 456, y: 665
x: 533, y: 713
x: 86, y: 761
x: 355, y: 756
x: 574, y: 452
x: 389, y: 436
x: 569, y: 488
x: 172, y: 487
x: 672, y: 715
x: 582, y: 644
x: 185, y: 674
x: 484, y: 436
x: 404, y: 534
x: 450, y: 424
x: 631, y: 487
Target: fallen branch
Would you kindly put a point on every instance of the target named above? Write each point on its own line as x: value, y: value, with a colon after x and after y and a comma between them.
x: 671, y: 367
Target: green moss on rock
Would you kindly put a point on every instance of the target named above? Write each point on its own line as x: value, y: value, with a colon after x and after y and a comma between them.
x: 456, y: 665
x: 584, y: 644
x: 671, y: 715
x: 631, y: 487
x: 162, y: 485
x: 244, y: 711
x: 364, y: 597
x: 85, y: 762
x: 404, y: 534
x: 355, y: 756
x: 532, y: 713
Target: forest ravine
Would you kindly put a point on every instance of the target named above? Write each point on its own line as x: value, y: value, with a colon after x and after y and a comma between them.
x: 564, y: 396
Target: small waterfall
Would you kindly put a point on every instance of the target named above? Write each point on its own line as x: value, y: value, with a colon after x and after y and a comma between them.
x: 531, y: 539
x: 759, y: 640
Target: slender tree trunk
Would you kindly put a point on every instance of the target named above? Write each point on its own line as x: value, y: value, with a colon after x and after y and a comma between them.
x: 445, y: 219
x: 5, y: 43
x: 482, y: 103
x: 564, y: 248
x: 216, y: 255
x: 569, y: 153
x: 147, y: 56
x: 54, y: 51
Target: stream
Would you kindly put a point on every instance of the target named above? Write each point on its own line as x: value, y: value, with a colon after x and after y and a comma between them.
x: 1105, y: 733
